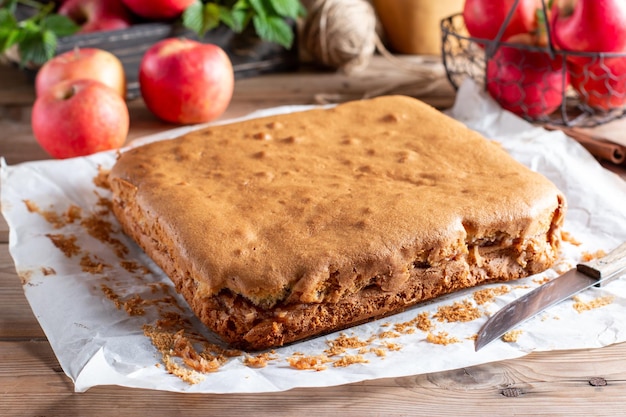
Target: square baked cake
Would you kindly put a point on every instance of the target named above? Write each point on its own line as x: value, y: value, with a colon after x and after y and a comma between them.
x: 285, y: 227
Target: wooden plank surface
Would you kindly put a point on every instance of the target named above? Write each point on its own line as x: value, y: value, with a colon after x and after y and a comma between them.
x: 567, y: 383
x: 542, y: 384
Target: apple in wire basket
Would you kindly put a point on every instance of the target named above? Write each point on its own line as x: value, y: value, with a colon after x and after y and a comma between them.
x: 526, y: 81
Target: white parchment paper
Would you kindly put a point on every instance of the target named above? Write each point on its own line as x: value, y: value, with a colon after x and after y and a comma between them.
x: 98, y: 343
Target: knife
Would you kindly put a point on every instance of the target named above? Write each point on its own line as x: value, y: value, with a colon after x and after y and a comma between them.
x: 598, y: 272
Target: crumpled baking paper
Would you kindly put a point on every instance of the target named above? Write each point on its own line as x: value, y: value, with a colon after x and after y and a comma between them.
x: 98, y: 343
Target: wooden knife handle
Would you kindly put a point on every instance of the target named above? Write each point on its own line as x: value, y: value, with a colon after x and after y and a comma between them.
x: 607, y: 268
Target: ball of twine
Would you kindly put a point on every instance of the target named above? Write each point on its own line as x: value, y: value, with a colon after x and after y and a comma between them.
x: 340, y: 34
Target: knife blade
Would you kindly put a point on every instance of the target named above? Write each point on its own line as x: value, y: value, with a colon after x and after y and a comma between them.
x: 598, y: 272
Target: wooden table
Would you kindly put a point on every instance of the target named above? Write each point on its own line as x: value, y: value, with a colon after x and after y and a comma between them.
x: 581, y: 382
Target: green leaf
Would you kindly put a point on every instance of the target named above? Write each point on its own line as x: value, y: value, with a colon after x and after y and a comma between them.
x: 236, y: 19
x: 9, y: 5
x: 59, y: 25
x: 240, y: 5
x: 201, y: 17
x: 287, y: 8
x: 29, y: 26
x: 37, y: 47
x: 9, y: 30
x: 36, y: 36
x: 259, y: 8
x: 192, y: 17
x: 268, y: 17
x: 210, y: 16
x: 8, y: 38
x: 7, y: 20
x: 273, y: 29
x: 50, y: 41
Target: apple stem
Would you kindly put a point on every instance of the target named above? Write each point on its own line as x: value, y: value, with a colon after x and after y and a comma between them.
x: 567, y: 7
x: 69, y: 93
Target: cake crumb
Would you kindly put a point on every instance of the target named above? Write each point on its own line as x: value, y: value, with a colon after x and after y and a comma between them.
x: 511, y: 336
x: 101, y: 229
x: 48, y: 271
x: 57, y: 221
x: 340, y: 344
x: 102, y: 178
x: 25, y: 276
x: 314, y: 363
x: 134, y: 266
x: 66, y: 244
x: 458, y: 312
x: 259, y: 361
x: 133, y: 306
x: 567, y: 237
x: 199, y: 362
x: 487, y: 295
x: 580, y: 305
x: 188, y: 375
x: 31, y: 206
x: 170, y: 319
x: 380, y: 352
x: 105, y: 204
x: 178, y: 349
x: 541, y: 281
x: 392, y: 346
x: 388, y: 335
x: 421, y: 322
x: 404, y: 327
x: 590, y: 256
x: 522, y: 287
x: 441, y: 338
x: 91, y: 266
x: 348, y: 360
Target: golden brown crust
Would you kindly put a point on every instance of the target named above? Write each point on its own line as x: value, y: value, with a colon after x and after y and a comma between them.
x: 285, y: 227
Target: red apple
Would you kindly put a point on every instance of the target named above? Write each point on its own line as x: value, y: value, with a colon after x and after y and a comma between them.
x: 528, y: 83
x: 158, y: 9
x: 91, y: 63
x: 593, y: 27
x: 96, y: 15
x: 589, y: 25
x: 185, y: 81
x: 600, y: 82
x: 483, y: 18
x: 79, y: 117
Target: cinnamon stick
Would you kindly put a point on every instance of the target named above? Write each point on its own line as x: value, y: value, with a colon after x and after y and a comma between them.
x: 599, y: 147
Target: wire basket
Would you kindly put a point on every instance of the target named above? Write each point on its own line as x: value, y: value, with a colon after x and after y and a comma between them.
x: 599, y: 95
